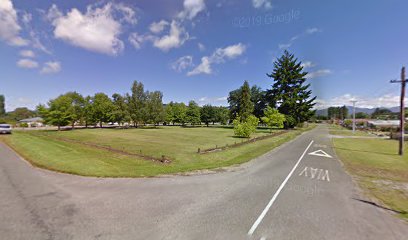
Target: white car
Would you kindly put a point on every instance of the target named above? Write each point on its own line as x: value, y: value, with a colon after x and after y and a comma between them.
x: 5, y: 128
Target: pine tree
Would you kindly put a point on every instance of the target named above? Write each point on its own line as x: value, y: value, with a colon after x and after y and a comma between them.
x: 289, y: 93
x: 246, y: 107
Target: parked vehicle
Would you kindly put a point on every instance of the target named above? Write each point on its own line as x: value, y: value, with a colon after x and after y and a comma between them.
x: 5, y: 128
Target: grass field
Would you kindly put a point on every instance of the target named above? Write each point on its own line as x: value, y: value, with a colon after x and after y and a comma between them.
x: 52, y: 150
x: 378, y: 169
x: 342, y: 131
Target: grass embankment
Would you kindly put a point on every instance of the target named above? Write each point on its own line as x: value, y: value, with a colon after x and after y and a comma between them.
x: 378, y: 169
x: 342, y: 131
x: 47, y: 149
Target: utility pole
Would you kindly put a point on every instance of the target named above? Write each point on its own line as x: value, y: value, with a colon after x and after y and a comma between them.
x: 354, y: 115
x: 402, y: 110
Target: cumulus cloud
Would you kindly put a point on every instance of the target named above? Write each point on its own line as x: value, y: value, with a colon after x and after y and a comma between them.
x: 27, y: 53
x: 9, y: 27
x: 97, y: 29
x: 318, y: 73
x: 27, y: 63
x: 51, y: 67
x: 267, y: 4
x: 191, y: 9
x: 387, y: 100
x: 158, y: 27
x: 176, y: 37
x: 220, y: 55
x: 182, y: 63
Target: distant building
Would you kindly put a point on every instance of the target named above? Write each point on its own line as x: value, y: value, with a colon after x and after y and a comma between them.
x: 383, y: 123
x: 33, y: 122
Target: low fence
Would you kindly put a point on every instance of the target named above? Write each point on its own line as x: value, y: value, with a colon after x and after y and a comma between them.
x: 238, y: 144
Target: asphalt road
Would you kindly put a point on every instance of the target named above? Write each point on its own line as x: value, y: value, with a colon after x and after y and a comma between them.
x: 285, y: 194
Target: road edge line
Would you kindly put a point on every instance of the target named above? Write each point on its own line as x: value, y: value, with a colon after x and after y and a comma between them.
x: 265, y: 211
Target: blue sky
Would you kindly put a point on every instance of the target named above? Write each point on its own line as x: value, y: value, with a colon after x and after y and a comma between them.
x: 200, y: 50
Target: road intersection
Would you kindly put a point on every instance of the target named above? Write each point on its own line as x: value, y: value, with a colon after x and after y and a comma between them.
x: 297, y: 191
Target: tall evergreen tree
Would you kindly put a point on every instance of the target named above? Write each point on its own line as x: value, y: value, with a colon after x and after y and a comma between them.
x: 246, y: 107
x: 289, y: 93
x: 257, y: 98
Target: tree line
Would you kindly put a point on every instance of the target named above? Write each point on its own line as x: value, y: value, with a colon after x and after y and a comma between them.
x: 287, y: 103
x: 139, y: 107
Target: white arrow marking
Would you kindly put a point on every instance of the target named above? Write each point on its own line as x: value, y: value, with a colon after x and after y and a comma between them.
x: 320, y: 153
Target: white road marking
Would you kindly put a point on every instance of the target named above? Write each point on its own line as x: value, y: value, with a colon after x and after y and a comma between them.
x: 265, y: 211
x: 323, y: 173
x: 320, y: 153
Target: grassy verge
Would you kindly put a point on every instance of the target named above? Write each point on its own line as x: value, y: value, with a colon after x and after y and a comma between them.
x: 44, y: 150
x: 342, y: 131
x: 378, y: 169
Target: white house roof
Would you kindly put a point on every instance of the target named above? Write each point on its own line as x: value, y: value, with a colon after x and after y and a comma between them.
x: 36, y: 119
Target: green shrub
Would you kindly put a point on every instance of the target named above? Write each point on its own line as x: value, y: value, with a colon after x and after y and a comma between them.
x: 245, y: 129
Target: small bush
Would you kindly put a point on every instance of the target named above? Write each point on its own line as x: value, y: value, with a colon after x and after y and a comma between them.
x: 245, y: 129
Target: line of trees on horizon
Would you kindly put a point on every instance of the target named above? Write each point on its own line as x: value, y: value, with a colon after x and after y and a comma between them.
x: 288, y: 103
x: 139, y: 107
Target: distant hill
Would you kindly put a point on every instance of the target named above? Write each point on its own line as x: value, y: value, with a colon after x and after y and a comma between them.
x: 323, y: 112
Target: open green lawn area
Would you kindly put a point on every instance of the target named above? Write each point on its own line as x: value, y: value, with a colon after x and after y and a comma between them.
x: 379, y: 170
x: 56, y: 151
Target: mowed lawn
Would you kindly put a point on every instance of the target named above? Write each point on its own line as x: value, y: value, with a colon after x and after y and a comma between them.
x: 342, y: 131
x: 51, y: 150
x: 379, y: 170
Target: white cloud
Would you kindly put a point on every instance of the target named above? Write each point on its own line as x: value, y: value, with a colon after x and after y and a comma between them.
x: 36, y: 42
x: 203, y: 68
x: 12, y: 103
x: 182, y: 63
x: 387, y: 100
x: 308, y: 64
x: 191, y: 9
x: 292, y: 40
x: 201, y: 47
x: 27, y: 63
x: 27, y: 53
x: 137, y: 40
x: 312, y: 30
x: 97, y: 29
x: 284, y: 45
x: 9, y: 27
x: 318, y: 73
x: 267, y: 4
x: 51, y: 67
x: 158, y: 27
x: 215, y: 101
x: 177, y: 37
x: 220, y: 55
x: 26, y: 18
